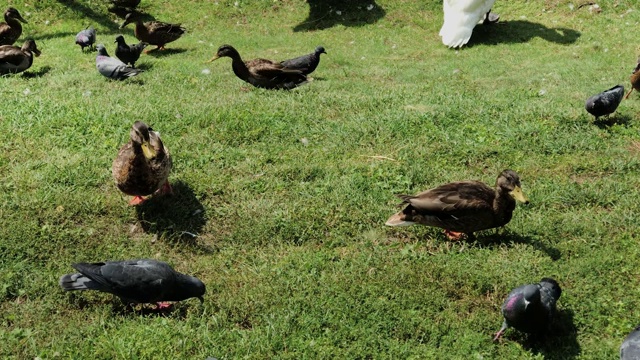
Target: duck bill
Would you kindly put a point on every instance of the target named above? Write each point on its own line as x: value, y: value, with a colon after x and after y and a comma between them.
x: 216, y: 57
x: 21, y: 19
x: 125, y: 23
x: 36, y: 52
x: 148, y: 151
x: 519, y: 195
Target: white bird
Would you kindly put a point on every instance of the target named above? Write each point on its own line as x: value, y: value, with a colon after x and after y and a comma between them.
x: 460, y: 17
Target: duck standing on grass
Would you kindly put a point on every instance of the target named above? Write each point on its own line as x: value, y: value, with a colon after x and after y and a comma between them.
x: 635, y: 79
x: 10, y: 30
x: 14, y: 59
x: 154, y: 32
x: 461, y: 16
x: 143, y: 164
x: 261, y: 73
x: 462, y: 208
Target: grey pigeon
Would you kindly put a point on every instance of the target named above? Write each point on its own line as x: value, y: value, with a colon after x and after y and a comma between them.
x: 86, y: 38
x: 113, y: 68
x: 135, y: 281
x: 606, y: 102
x: 305, y: 63
x: 129, y: 54
x: 630, y: 348
x: 530, y: 308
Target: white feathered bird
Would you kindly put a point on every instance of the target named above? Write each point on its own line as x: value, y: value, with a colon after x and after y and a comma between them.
x: 460, y: 17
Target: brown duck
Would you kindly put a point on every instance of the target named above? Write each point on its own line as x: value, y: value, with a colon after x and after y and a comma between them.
x: 463, y: 207
x: 14, y: 59
x: 154, y: 32
x: 143, y: 164
x: 10, y: 30
x: 261, y: 73
x: 635, y: 79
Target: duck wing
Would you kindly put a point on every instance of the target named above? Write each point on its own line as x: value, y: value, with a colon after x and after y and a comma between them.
x: 11, y: 55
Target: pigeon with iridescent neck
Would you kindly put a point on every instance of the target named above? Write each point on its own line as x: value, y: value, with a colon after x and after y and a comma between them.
x: 530, y: 308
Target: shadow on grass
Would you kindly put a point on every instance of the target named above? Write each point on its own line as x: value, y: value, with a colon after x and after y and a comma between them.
x: 324, y: 14
x: 606, y: 122
x: 507, y: 237
x: 165, y: 52
x: 178, y: 218
x: 36, y: 74
x: 144, y: 66
x: 176, y: 311
x: 560, y: 343
x: 46, y: 36
x: 89, y: 13
x: 521, y: 31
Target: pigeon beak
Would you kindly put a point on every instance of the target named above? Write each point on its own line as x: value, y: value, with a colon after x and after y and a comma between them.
x: 216, y: 57
x: 519, y: 195
x: 148, y: 151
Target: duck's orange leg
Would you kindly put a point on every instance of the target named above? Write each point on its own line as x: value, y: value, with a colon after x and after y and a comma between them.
x: 454, y: 235
x: 137, y: 200
x: 629, y: 93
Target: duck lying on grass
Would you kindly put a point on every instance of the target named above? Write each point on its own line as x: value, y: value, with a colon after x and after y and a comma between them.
x: 143, y: 164
x: 463, y: 207
x: 261, y: 73
x: 15, y: 59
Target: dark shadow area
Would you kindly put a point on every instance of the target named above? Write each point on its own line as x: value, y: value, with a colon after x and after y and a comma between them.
x: 89, y: 13
x: 38, y: 73
x: 165, y: 52
x: 178, y: 310
x: 520, y: 31
x: 144, y: 66
x: 605, y: 122
x: 324, y: 14
x: 177, y: 218
x: 507, y: 237
x: 560, y: 343
x: 47, y: 36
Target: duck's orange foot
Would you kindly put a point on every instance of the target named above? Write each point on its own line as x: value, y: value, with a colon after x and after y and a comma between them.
x: 136, y: 201
x: 163, y: 305
x: 454, y: 235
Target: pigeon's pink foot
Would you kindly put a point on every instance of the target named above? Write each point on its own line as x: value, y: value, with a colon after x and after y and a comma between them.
x: 136, y: 201
x: 454, y: 235
x: 163, y: 305
x: 498, y: 334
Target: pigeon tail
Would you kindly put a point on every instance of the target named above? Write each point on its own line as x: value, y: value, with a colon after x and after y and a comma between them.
x: 77, y: 281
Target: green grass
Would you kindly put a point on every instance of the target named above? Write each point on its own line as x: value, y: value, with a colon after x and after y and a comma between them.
x: 291, y: 238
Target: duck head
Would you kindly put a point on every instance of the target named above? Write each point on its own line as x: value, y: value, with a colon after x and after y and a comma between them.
x: 509, y: 181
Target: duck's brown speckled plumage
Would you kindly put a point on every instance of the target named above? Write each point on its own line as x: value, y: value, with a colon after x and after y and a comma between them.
x: 11, y: 29
x: 635, y: 79
x: 261, y: 73
x: 154, y: 32
x: 14, y: 59
x: 133, y: 172
x: 465, y: 207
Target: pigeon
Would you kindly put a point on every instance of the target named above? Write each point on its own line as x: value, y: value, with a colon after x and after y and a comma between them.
x: 135, y: 281
x: 606, y: 102
x: 86, y: 38
x: 305, y: 63
x: 630, y: 348
x: 129, y: 54
x: 530, y: 308
x: 113, y: 68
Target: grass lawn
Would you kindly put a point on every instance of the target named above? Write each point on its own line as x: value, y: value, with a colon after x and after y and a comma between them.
x: 288, y: 192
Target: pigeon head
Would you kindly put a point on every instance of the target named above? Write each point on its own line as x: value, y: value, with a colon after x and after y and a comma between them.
x: 530, y: 294
x: 320, y: 50
x: 141, y: 136
x: 30, y: 45
x: 102, y: 50
x: 226, y: 50
x: 195, y: 289
x: 120, y: 39
x: 12, y: 13
x: 509, y: 181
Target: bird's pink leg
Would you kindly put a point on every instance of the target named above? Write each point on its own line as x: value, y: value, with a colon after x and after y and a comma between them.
x: 454, y: 235
x: 166, y: 189
x: 163, y: 305
x: 137, y: 200
x: 498, y: 334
